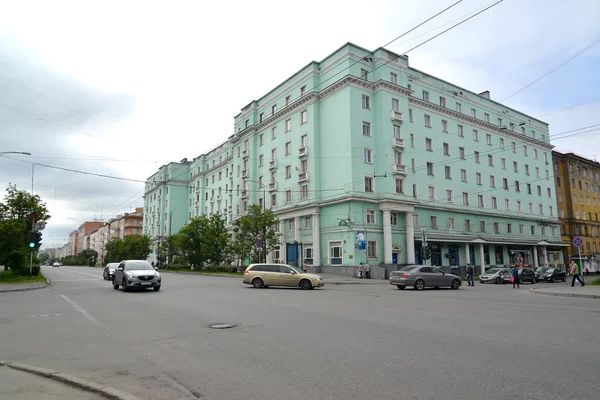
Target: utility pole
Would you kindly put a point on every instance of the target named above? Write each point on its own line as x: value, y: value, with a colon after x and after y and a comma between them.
x: 424, y: 245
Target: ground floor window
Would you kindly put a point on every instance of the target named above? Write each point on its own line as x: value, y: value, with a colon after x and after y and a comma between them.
x: 277, y: 254
x: 308, y: 254
x: 372, y: 249
x: 335, y: 253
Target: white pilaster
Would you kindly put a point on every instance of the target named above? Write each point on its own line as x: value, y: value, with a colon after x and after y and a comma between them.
x: 505, y: 255
x: 316, y: 233
x: 535, y: 257
x: 467, y: 254
x: 545, y: 253
x: 387, y: 237
x: 282, y: 249
x: 297, y: 229
x: 410, y: 239
x: 482, y: 257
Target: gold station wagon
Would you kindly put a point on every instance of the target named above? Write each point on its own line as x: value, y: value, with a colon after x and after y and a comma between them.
x: 265, y: 275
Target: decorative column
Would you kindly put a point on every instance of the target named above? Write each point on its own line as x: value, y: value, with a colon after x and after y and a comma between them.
x: 545, y: 255
x: 467, y: 254
x: 482, y: 257
x: 387, y: 237
x: 505, y: 256
x: 282, y: 249
x: 316, y: 233
x: 297, y: 229
x: 535, y: 257
x: 410, y: 239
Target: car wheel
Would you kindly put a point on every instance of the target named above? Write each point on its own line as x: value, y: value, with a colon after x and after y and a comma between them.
x: 455, y: 284
x: 498, y: 281
x: 401, y: 287
x: 257, y: 283
x: 419, y: 284
x: 533, y: 280
x: 125, y: 288
x: 115, y: 285
x: 520, y: 281
x: 305, y: 284
x: 156, y: 288
x: 564, y: 279
x: 551, y: 279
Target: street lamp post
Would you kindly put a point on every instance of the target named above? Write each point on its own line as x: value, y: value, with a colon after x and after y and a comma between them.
x: 264, y: 201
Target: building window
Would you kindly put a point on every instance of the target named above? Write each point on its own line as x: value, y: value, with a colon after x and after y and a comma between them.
x: 308, y: 255
x: 371, y: 217
x: 533, y: 229
x: 448, y: 172
x: 508, y: 228
x: 496, y: 227
x: 274, y: 109
x: 449, y: 198
x: 488, y: 139
x: 273, y: 200
x: 427, y: 121
x: 490, y: 160
x: 525, y: 150
x: 502, y: 143
x: 451, y: 224
x: 307, y: 222
x: 482, y: 226
x: 430, y: 169
x: 366, y: 102
x: 431, y: 193
x: 480, y: 202
x: 428, y: 144
x: 395, y: 105
x: 260, y: 161
x: 478, y: 178
x: 514, y: 147
x: 434, y: 222
x: 492, y: 181
x: 522, y: 229
x: 507, y: 204
x: 475, y: 136
x: 304, y: 192
x: 372, y: 249
x: 336, y: 253
x: 304, y: 117
x: 369, y: 184
x: 412, y: 140
x: 287, y: 100
x: 465, y: 198
x: 461, y: 153
x: 467, y: 225
x: 415, y: 191
x: 541, y: 209
x: 410, y: 115
x: 442, y: 102
x: 288, y: 196
x: 505, y: 183
x: 494, y: 203
x: 366, y: 128
x: 399, y: 186
x: 368, y: 156
x: 446, y: 149
x: 302, y: 90
x: 394, y: 78
x: 288, y: 125
x: 393, y: 218
x: 473, y: 113
x: 425, y: 95
x: 364, y: 74
x: 476, y: 157
x: 503, y: 163
x: 463, y: 175
x: 444, y: 126
x: 458, y: 107
x: 486, y: 117
x: 288, y: 148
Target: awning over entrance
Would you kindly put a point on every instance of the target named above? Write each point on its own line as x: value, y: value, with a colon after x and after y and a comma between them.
x: 489, y: 240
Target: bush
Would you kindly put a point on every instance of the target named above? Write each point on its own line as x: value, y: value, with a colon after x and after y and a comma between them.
x: 176, y: 267
x: 219, y: 268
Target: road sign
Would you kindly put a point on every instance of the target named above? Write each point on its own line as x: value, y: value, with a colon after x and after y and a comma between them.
x: 259, y: 244
x: 578, y: 242
x: 40, y: 225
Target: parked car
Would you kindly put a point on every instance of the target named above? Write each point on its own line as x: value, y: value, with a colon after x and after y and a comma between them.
x: 265, y: 275
x: 55, y: 264
x: 494, y: 275
x: 422, y: 276
x: 551, y: 275
x: 526, y: 274
x: 137, y: 274
x: 109, y: 271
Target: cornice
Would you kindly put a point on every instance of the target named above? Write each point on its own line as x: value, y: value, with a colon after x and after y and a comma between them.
x: 474, y: 121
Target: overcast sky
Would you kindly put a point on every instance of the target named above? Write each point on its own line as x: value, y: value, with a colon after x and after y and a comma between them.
x: 122, y: 87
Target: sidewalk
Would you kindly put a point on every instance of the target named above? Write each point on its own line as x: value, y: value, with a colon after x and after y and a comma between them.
x: 18, y: 385
x: 331, y: 279
x: 587, y: 291
x: 21, y: 287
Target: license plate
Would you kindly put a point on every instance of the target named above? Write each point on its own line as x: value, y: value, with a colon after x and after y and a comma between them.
x: 146, y: 283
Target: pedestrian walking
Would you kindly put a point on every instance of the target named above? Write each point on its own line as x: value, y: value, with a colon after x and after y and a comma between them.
x: 305, y: 267
x: 368, y: 271
x: 360, y: 271
x: 470, y: 273
x: 575, y: 271
x: 515, y: 277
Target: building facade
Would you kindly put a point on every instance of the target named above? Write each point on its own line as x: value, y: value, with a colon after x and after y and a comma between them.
x: 363, y: 157
x: 578, y: 190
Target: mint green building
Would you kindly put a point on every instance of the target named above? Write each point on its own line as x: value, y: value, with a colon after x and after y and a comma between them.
x: 363, y: 157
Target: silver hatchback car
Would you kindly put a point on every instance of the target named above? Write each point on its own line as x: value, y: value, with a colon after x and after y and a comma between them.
x: 422, y: 276
x: 138, y: 274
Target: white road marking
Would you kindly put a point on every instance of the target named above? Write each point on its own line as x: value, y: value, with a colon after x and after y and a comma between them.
x: 80, y: 309
x: 73, y: 280
x: 83, y: 273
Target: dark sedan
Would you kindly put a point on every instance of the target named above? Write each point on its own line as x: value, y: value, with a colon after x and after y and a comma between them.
x: 551, y: 275
x: 422, y: 276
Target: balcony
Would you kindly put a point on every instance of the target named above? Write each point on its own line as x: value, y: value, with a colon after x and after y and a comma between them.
x: 398, y: 142
x: 245, y: 153
x: 272, y: 186
x: 245, y: 173
x: 303, y: 177
x: 399, y: 169
x: 230, y: 193
x: 219, y: 198
x: 272, y: 164
x: 397, y: 116
x: 230, y: 208
x: 212, y: 200
x: 244, y: 194
x: 303, y: 151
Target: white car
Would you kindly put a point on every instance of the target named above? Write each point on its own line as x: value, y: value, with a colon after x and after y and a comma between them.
x: 136, y: 274
x: 56, y: 264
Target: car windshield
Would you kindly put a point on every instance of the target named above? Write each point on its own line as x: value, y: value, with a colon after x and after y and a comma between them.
x: 138, y: 266
x: 408, y: 268
x: 542, y: 269
x: 548, y: 270
x: 492, y: 270
x: 298, y: 270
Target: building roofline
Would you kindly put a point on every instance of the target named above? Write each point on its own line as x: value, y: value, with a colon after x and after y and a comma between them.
x: 577, y: 156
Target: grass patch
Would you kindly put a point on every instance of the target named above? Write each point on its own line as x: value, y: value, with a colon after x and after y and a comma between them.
x: 595, y: 283
x: 9, y: 277
x: 189, y: 271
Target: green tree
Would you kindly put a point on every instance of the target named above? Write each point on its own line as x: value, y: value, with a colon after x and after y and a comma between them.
x: 204, y: 241
x: 87, y: 257
x: 44, y: 257
x: 22, y: 206
x: 133, y: 247
x: 167, y: 251
x: 256, y: 226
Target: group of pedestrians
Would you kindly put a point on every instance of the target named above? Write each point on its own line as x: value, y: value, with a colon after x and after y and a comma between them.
x: 364, y: 271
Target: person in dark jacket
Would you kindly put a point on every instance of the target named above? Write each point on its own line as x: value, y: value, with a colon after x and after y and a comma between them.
x: 515, y: 275
x: 470, y: 273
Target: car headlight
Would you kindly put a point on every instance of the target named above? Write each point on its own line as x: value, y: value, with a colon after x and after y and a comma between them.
x: 131, y: 276
x: 157, y: 275
x: 319, y: 278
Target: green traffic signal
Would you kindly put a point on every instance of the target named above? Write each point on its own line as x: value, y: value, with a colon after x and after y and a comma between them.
x: 32, y: 245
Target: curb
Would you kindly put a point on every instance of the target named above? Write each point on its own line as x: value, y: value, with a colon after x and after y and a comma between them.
x: 25, y: 289
x: 200, y: 273
x: 105, y: 391
x: 358, y: 283
x: 582, y: 295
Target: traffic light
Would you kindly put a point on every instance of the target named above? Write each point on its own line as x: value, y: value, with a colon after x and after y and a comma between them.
x: 427, y: 253
x: 38, y: 239
x: 32, y: 240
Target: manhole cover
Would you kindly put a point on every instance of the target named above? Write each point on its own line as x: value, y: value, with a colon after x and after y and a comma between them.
x: 223, y: 325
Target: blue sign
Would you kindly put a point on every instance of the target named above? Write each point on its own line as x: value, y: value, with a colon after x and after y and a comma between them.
x: 259, y: 244
x: 578, y: 242
x: 360, y: 238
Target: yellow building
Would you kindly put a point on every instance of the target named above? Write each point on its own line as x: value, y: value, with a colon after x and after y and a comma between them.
x: 578, y: 196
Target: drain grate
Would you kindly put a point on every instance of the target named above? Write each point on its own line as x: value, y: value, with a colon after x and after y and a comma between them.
x: 222, y: 325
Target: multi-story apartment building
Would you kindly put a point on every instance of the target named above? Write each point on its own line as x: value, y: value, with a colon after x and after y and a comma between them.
x: 166, y: 202
x: 363, y: 146
x: 578, y: 191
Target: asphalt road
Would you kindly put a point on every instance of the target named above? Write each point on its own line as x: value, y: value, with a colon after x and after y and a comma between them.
x: 339, y: 342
